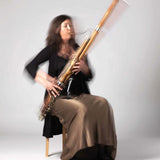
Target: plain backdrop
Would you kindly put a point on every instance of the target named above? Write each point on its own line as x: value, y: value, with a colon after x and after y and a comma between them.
x: 125, y: 59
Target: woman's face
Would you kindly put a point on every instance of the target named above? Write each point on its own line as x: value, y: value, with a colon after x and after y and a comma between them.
x: 66, y: 30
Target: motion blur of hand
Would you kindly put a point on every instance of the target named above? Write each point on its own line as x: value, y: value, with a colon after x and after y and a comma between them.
x: 52, y: 87
x: 81, y: 66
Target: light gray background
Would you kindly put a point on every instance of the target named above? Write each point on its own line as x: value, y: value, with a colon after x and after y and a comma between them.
x: 125, y: 58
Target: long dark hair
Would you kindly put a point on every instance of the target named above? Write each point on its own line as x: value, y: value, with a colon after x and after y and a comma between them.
x: 53, y: 37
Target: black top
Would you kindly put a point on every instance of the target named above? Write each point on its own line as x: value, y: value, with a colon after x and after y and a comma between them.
x: 56, y: 64
x: 52, y: 126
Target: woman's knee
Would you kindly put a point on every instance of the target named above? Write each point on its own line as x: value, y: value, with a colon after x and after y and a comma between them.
x: 103, y: 104
x: 81, y: 110
x: 102, y: 100
x: 78, y: 108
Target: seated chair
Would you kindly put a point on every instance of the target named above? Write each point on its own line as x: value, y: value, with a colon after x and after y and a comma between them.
x: 52, y: 127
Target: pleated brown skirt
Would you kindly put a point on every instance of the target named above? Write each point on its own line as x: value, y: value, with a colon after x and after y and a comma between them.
x: 88, y: 121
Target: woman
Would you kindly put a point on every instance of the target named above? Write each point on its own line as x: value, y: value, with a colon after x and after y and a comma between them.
x: 87, y: 119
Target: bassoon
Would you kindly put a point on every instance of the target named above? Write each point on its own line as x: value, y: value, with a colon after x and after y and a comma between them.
x: 67, y: 70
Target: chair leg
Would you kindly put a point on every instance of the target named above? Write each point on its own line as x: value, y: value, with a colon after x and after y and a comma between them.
x: 47, y: 146
x: 64, y: 136
x: 63, y: 141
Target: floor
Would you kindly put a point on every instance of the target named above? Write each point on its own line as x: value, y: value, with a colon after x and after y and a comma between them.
x: 29, y: 147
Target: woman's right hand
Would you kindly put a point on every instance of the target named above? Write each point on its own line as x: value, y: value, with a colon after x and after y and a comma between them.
x: 52, y: 87
x: 49, y: 82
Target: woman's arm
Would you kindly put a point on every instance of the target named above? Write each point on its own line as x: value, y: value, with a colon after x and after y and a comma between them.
x: 50, y: 83
x: 40, y: 76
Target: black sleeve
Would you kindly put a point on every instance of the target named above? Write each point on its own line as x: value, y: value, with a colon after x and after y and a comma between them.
x: 33, y: 65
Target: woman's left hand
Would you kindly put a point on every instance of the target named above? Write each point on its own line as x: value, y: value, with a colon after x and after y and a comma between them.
x: 81, y: 66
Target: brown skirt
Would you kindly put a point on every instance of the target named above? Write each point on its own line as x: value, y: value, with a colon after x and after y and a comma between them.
x: 88, y: 121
